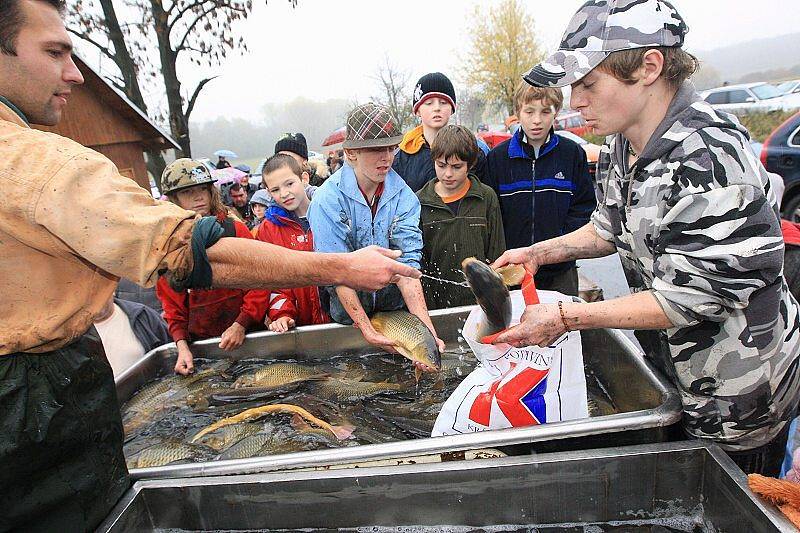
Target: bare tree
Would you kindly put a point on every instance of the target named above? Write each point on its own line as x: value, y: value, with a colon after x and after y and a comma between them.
x: 471, y: 108
x: 200, y: 32
x: 395, y: 92
x: 502, y: 47
x: 110, y: 38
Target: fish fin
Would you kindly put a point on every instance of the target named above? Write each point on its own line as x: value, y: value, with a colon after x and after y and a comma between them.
x: 320, y: 377
x: 344, y: 431
x: 298, y: 423
x: 417, y: 373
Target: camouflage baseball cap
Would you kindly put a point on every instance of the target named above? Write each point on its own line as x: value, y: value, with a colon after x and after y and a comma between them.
x: 183, y: 173
x: 604, y: 26
x: 371, y: 126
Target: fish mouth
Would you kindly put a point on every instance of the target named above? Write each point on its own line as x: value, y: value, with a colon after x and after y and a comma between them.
x: 490, y: 293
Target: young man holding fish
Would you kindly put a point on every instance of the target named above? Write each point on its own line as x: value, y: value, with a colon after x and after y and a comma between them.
x: 65, y: 240
x: 692, y: 215
x: 365, y: 203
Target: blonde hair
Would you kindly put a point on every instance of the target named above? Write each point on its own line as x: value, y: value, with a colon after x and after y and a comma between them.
x: 526, y: 93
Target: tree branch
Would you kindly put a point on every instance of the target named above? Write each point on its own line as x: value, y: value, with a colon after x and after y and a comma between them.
x: 103, y: 49
x: 182, y: 12
x: 189, y: 30
x: 193, y: 99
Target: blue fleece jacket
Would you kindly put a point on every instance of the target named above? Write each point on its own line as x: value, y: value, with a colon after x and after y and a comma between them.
x: 564, y: 194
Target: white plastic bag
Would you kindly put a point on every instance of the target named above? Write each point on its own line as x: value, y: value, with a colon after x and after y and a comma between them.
x: 513, y: 387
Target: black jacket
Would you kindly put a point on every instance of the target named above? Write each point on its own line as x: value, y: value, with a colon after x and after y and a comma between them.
x: 417, y: 169
x: 564, y: 198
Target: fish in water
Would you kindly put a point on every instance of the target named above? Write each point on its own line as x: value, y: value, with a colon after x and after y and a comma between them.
x: 341, y: 432
x: 414, y: 340
x: 156, y: 397
x: 230, y: 435
x: 491, y: 294
x: 250, y: 446
x: 171, y: 451
x: 346, y: 389
x: 279, y: 375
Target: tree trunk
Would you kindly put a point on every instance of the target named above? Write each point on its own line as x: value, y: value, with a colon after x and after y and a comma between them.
x: 130, y: 77
x: 177, y: 119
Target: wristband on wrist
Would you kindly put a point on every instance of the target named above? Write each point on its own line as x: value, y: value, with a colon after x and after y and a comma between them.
x: 563, y: 318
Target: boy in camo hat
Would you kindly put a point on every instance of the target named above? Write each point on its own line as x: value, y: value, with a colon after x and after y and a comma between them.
x: 367, y: 203
x: 690, y: 211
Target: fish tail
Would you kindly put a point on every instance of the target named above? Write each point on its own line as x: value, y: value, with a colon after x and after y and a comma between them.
x: 342, y: 432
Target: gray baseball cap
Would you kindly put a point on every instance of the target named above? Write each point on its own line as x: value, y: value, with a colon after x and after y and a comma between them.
x: 604, y: 26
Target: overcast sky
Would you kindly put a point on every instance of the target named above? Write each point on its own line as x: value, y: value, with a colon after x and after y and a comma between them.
x: 329, y: 48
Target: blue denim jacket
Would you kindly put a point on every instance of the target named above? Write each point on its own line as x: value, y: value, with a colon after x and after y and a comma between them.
x: 341, y: 221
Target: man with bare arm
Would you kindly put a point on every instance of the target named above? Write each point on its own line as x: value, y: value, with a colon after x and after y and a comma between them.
x: 70, y: 227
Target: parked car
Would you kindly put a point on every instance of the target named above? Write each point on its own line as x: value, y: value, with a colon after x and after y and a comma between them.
x: 781, y: 155
x: 592, y: 150
x: 571, y: 121
x: 745, y: 97
x: 791, y: 94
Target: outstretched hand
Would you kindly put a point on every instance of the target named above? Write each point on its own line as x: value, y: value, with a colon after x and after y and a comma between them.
x: 373, y: 268
x: 519, y: 256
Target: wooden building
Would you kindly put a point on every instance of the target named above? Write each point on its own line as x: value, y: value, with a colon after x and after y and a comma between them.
x: 103, y: 119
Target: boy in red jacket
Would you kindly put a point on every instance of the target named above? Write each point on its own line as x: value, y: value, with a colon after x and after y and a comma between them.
x: 285, y: 224
x: 204, y: 313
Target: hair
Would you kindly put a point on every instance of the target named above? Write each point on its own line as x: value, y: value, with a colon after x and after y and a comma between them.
x: 11, y: 20
x: 217, y: 208
x: 526, y: 93
x: 455, y: 141
x: 235, y: 187
x: 679, y: 65
x: 278, y: 161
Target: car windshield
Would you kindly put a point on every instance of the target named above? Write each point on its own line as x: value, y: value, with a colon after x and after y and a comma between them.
x: 786, y: 86
x: 766, y: 91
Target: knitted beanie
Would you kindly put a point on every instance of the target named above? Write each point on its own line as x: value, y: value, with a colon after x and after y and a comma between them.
x: 293, y: 142
x: 432, y: 85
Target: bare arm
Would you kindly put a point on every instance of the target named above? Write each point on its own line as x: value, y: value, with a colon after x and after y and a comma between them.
x: 247, y: 264
x: 351, y: 304
x: 541, y: 324
x: 583, y: 243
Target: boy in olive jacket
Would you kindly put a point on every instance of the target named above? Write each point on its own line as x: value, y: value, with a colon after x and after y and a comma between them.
x: 460, y: 218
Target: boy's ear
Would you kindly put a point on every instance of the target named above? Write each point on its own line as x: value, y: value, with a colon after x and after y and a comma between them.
x: 305, y: 177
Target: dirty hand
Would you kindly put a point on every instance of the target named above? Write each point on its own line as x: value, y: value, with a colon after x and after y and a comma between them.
x: 185, y: 364
x: 519, y: 256
x: 440, y: 344
x: 232, y: 338
x: 282, y: 324
x: 540, y: 325
x: 373, y: 268
x: 378, y: 340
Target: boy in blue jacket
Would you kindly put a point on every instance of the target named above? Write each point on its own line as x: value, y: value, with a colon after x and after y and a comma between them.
x: 542, y: 181
x: 367, y: 203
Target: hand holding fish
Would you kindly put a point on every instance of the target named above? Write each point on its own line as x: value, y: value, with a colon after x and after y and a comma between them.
x: 519, y: 256
x: 233, y: 337
x: 185, y: 363
x: 540, y: 325
x: 379, y: 341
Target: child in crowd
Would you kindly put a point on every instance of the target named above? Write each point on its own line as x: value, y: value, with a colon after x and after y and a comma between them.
x: 367, y: 203
x: 203, y: 313
x: 259, y: 203
x: 460, y: 218
x: 285, y: 224
x: 434, y: 103
x: 542, y: 181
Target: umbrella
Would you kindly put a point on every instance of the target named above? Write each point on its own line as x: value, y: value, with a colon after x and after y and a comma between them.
x: 493, y: 138
x: 336, y: 137
x: 227, y: 175
x: 227, y: 154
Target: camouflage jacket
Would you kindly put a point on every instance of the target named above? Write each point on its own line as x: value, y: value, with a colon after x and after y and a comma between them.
x: 694, y: 221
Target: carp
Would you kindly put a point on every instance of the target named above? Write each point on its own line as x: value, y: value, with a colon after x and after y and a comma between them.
x: 346, y: 389
x: 491, y: 294
x: 230, y: 435
x: 341, y: 432
x: 247, y: 447
x: 278, y: 375
x: 414, y: 340
x: 171, y: 451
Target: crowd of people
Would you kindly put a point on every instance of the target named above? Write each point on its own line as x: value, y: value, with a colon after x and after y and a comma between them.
x: 679, y: 196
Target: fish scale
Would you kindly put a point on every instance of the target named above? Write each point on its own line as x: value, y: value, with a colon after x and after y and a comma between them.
x: 414, y: 340
x: 349, y: 389
x: 168, y: 452
x: 278, y: 374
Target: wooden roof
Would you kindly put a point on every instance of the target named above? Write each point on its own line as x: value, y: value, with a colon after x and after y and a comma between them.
x: 99, y: 115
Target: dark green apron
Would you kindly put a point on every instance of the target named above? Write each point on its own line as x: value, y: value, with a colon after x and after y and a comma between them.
x: 61, y: 462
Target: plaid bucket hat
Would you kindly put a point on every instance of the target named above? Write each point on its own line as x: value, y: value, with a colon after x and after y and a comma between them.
x: 601, y: 27
x: 371, y: 126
